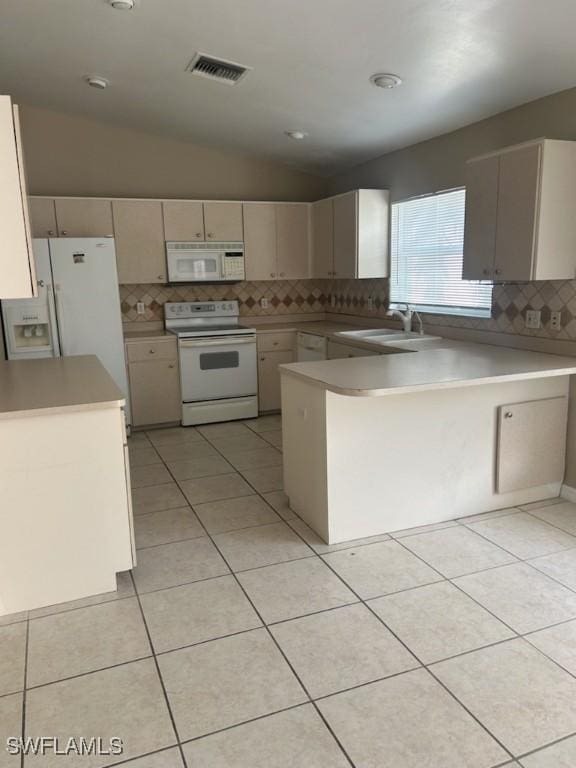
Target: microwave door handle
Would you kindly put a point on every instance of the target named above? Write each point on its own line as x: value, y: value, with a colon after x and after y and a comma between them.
x: 216, y: 342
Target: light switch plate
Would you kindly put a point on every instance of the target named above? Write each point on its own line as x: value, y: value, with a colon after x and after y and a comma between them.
x: 140, y: 308
x: 533, y: 318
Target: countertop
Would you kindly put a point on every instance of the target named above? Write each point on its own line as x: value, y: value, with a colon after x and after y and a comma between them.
x: 445, y: 365
x: 78, y: 382
x: 148, y: 335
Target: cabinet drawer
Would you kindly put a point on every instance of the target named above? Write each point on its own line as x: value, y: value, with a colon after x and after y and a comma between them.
x: 167, y: 349
x: 272, y: 342
x: 336, y: 351
x: 531, y: 443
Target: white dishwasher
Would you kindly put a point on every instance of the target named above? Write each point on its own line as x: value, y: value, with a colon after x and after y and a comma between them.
x: 310, y: 346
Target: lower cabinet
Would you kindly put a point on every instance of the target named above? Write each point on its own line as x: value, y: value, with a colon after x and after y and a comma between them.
x: 154, y: 380
x: 531, y: 444
x: 274, y: 349
x: 337, y: 351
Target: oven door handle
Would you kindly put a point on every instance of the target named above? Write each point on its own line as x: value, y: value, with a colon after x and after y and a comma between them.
x: 216, y: 342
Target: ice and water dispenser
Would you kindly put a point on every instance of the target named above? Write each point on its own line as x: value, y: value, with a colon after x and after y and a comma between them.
x: 28, y: 330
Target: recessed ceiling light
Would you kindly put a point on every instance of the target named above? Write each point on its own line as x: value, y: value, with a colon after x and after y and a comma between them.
x: 296, y: 135
x: 386, y: 80
x: 95, y: 81
x: 122, y: 5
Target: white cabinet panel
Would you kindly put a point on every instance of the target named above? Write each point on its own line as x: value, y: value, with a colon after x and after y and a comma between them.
x: 531, y: 443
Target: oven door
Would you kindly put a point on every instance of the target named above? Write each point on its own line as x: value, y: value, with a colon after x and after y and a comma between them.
x: 196, y: 266
x: 217, y: 368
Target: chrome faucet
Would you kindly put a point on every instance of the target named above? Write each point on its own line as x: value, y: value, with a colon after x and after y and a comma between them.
x: 406, y: 318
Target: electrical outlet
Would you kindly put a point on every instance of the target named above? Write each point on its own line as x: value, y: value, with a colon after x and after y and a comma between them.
x: 332, y: 300
x: 533, y: 318
x: 264, y: 302
x: 370, y: 302
x: 556, y: 321
x: 140, y: 308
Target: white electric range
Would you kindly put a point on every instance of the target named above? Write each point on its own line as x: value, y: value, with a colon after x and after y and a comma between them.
x: 218, y: 369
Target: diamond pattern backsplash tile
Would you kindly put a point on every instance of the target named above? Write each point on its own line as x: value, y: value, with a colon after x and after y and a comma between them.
x: 284, y: 297
x: 365, y: 298
x: 510, y: 302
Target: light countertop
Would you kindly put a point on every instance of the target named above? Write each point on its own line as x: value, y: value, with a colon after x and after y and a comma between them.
x: 148, y: 335
x: 55, y: 383
x: 444, y: 365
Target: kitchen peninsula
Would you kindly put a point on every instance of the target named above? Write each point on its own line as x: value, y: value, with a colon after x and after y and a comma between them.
x: 65, y: 514
x: 377, y: 444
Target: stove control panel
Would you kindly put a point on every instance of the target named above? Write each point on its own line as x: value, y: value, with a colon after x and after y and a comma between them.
x: 182, y: 310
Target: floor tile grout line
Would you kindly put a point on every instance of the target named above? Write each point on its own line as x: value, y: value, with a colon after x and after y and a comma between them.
x: 274, y: 641
x: 160, y: 677
x: 88, y: 672
x: 24, y: 690
x: 141, y: 756
x: 452, y: 581
x: 547, y: 522
x: 415, y: 656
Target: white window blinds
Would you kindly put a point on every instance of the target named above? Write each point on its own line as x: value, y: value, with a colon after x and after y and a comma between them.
x: 427, y: 244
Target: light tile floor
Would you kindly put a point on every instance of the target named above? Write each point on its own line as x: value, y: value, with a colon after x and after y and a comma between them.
x: 242, y: 640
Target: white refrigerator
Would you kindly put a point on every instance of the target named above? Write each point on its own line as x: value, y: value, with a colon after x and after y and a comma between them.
x: 77, y: 311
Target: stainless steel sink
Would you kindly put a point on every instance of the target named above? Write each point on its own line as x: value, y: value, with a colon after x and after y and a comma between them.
x: 385, y: 335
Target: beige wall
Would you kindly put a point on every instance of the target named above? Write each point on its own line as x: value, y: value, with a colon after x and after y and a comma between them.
x: 71, y: 155
x: 439, y: 163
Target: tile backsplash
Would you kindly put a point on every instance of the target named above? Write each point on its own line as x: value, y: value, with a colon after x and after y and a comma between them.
x: 351, y: 297
x: 284, y: 297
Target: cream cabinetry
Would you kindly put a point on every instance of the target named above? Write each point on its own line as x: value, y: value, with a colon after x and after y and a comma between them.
x: 350, y: 235
x: 154, y: 380
x: 277, y: 241
x: 274, y: 349
x: 84, y: 217
x: 520, y: 224
x: 531, y: 443
x: 183, y: 220
x: 336, y: 351
x: 18, y: 274
x: 42, y: 217
x: 223, y: 222
x: 140, y: 245
x: 323, y: 238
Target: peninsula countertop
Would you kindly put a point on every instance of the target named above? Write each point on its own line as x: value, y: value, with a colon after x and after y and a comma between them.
x: 446, y: 365
x: 55, y: 384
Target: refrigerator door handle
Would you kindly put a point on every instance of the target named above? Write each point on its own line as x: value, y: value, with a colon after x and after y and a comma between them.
x: 59, y: 316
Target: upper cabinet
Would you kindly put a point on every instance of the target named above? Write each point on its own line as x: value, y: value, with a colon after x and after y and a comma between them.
x: 350, y: 235
x: 519, y: 220
x: 140, y: 248
x: 223, y: 222
x: 18, y: 274
x: 276, y: 241
x: 183, y: 220
x: 42, y: 217
x: 84, y: 217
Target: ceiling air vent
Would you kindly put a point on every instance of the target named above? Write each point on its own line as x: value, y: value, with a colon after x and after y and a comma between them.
x: 217, y: 69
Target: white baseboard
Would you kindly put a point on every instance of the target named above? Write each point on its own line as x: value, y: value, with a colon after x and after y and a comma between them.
x: 568, y: 493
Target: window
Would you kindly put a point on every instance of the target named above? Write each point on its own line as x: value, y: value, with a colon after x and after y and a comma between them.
x: 427, y: 245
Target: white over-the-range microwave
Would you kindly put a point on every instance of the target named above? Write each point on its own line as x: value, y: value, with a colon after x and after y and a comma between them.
x: 205, y: 262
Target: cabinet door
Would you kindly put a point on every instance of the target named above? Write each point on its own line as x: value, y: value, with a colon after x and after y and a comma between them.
x: 223, y: 222
x: 518, y: 187
x: 155, y: 392
x: 531, y: 443
x: 18, y: 274
x: 140, y: 248
x: 293, y: 241
x: 42, y: 216
x: 336, y: 351
x: 260, y: 241
x: 480, y: 219
x: 345, y: 236
x: 84, y: 217
x: 183, y: 220
x: 323, y: 238
x: 269, y: 398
